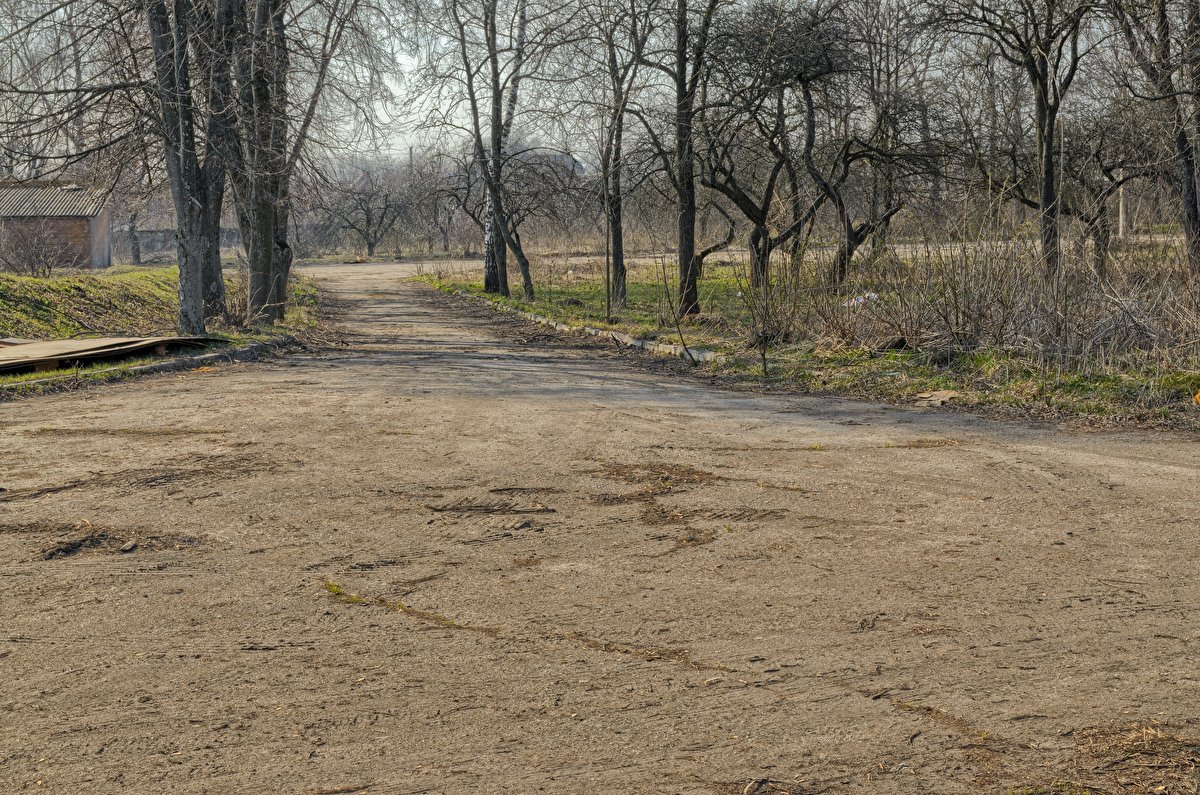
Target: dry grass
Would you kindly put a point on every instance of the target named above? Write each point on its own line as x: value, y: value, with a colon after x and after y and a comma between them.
x: 650, y: 474
x: 425, y: 616
x: 976, y: 316
x: 923, y: 444
x: 1152, y: 757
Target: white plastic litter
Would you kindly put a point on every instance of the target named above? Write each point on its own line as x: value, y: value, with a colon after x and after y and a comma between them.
x: 865, y: 298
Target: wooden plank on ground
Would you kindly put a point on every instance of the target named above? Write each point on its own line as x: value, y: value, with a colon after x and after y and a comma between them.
x: 50, y: 354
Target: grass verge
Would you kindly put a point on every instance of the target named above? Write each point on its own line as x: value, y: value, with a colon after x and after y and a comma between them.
x: 1132, y: 391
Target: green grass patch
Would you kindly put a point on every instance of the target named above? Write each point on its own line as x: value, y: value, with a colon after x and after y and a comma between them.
x: 647, y: 312
x: 304, y: 305
x: 129, y: 303
x: 28, y: 384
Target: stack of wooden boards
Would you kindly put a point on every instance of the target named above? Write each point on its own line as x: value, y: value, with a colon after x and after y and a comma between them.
x: 40, y: 356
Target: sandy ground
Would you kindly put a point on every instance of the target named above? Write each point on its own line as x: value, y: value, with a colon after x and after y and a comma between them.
x: 562, y: 568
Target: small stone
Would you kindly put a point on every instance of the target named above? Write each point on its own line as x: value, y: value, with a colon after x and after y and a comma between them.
x: 129, y: 546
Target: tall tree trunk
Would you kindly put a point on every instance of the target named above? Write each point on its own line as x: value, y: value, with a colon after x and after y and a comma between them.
x: 685, y: 178
x: 514, y: 242
x: 882, y: 230
x: 258, y: 235
x: 851, y: 238
x: 1048, y: 201
x: 281, y: 262
x: 262, y: 177
x: 169, y: 37
x: 1046, y: 118
x: 616, y: 206
x: 1100, y: 231
x: 495, y: 261
x: 281, y: 249
x: 508, y: 228
x: 620, y: 287
x: 190, y: 245
x: 1190, y: 188
x: 845, y: 256
x: 1189, y: 196
x: 503, y: 112
x: 223, y: 15
x: 212, y: 278
x: 760, y: 257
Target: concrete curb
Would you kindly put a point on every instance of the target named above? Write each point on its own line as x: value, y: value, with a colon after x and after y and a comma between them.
x: 249, y: 352
x: 700, y: 355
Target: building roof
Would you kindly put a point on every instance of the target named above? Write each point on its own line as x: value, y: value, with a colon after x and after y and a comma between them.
x: 48, y: 200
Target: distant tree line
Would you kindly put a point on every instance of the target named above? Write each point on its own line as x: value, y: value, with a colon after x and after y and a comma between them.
x: 833, y: 117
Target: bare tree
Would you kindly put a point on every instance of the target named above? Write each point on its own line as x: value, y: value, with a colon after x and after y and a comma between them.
x: 620, y: 32
x: 1044, y: 39
x: 678, y: 51
x: 31, y: 247
x: 365, y: 198
x: 1162, y: 38
x: 761, y: 59
x: 222, y: 88
x: 197, y: 183
x: 296, y: 69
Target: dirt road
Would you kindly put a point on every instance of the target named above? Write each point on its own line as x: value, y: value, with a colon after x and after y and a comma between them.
x: 462, y: 555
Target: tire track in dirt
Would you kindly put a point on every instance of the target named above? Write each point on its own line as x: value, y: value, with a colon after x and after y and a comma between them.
x: 191, y: 470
